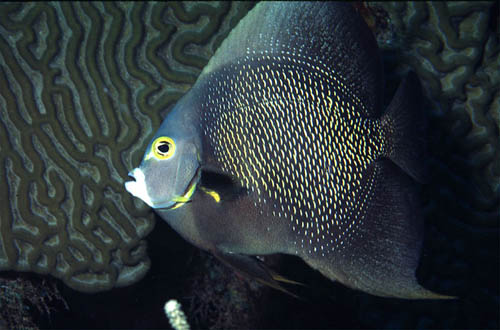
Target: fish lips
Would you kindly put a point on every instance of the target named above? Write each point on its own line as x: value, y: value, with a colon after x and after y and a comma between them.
x: 138, y: 187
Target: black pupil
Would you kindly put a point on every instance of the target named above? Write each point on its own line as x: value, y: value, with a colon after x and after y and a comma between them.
x: 164, y: 147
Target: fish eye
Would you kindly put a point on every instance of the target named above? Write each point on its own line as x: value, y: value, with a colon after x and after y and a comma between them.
x: 163, y: 147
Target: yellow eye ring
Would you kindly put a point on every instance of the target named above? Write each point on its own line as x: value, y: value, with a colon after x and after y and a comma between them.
x: 163, y: 147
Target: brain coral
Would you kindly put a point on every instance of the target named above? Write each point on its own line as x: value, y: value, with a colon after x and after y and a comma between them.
x: 82, y: 88
x: 456, y: 52
x: 453, y: 48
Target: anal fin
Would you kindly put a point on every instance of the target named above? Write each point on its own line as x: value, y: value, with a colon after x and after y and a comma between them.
x: 253, y: 268
x: 383, y: 257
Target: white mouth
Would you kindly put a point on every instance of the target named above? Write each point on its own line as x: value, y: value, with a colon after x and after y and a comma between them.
x: 138, y: 187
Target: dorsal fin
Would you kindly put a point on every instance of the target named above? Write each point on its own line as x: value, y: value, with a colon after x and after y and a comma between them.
x: 332, y: 34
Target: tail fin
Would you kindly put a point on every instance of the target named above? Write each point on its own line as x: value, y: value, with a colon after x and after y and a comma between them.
x: 406, y: 123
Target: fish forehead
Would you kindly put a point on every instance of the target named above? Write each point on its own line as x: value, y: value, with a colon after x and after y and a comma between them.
x: 290, y: 131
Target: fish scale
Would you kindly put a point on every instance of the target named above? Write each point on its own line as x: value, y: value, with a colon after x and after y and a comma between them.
x: 246, y: 120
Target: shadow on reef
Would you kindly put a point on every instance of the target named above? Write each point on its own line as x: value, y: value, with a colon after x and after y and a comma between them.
x: 26, y: 298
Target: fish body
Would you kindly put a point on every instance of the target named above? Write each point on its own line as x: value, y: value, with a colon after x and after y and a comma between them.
x: 282, y: 146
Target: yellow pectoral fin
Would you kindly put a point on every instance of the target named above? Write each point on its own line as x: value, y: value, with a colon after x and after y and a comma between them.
x: 215, y: 195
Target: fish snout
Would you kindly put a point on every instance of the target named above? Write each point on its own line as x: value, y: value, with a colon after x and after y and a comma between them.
x: 137, y: 187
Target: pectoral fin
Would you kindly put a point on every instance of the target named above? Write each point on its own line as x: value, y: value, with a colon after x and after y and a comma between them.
x: 220, y: 187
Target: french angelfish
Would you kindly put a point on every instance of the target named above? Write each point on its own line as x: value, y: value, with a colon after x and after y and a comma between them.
x: 281, y: 146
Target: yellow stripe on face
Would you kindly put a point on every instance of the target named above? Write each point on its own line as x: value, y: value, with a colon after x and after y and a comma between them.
x: 181, y: 200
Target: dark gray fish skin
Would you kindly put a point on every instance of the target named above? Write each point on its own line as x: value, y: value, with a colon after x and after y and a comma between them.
x: 289, y: 110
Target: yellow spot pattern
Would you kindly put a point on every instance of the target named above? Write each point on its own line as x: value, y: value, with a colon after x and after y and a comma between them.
x: 292, y: 133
